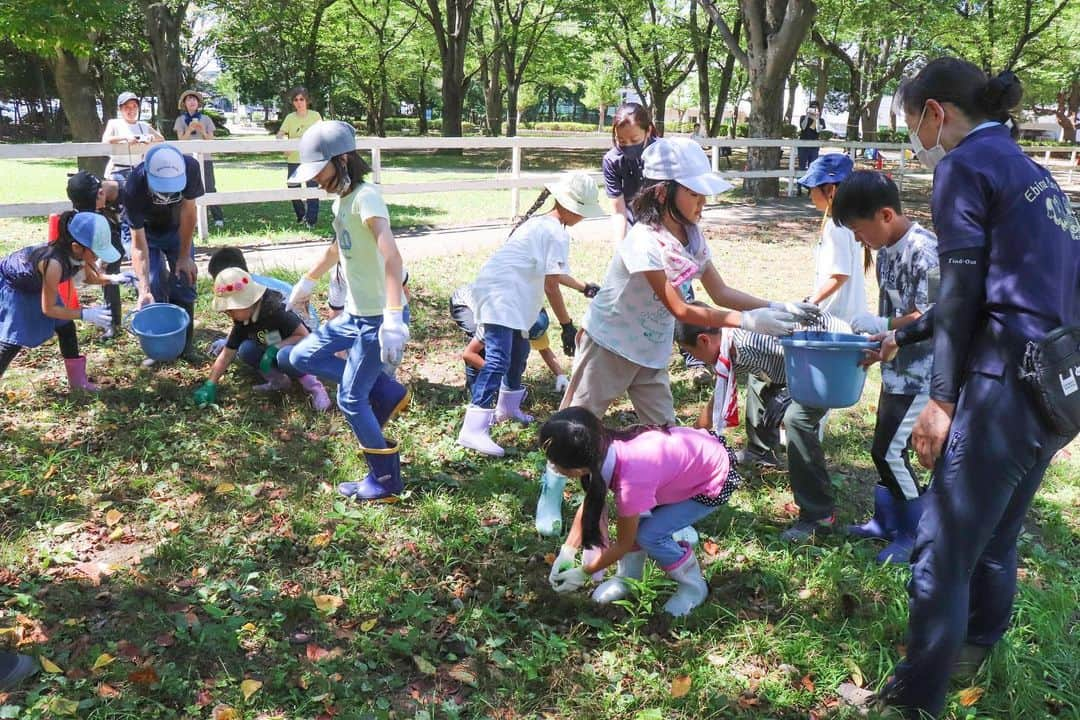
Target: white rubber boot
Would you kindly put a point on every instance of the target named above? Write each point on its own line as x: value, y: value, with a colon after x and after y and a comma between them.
x: 632, y: 565
x: 475, y: 432
x: 509, y: 407
x: 692, y: 589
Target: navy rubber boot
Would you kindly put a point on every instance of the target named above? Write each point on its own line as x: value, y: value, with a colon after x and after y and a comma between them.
x: 388, y: 398
x: 908, y: 514
x: 882, y: 526
x: 383, y: 479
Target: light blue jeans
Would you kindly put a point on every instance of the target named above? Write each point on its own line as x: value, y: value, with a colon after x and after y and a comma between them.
x: 506, y: 352
x: 654, y: 531
x: 356, y: 375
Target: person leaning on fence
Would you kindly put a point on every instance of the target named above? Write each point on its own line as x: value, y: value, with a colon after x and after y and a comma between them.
x: 129, y: 134
x: 194, y: 124
x: 292, y: 127
x: 159, y: 205
x: 30, y: 307
x: 1010, y: 275
x: 811, y: 125
x: 373, y: 328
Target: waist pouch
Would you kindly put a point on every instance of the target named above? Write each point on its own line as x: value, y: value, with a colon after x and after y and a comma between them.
x: 1051, y: 367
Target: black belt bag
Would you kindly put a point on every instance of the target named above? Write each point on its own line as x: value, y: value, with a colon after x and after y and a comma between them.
x: 1051, y: 367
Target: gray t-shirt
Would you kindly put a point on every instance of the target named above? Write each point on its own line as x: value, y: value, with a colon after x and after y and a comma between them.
x: 181, y: 125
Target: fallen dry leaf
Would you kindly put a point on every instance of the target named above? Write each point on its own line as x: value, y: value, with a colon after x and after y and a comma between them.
x: 368, y: 625
x: 423, y: 665
x: 113, y: 516
x: 224, y: 488
x: 224, y: 712
x: 807, y: 682
x: 970, y: 695
x: 249, y: 687
x: 328, y: 604
x: 103, y: 660
x: 165, y: 640
x: 145, y: 675
x: 50, y: 667
x: 105, y: 690
x: 680, y: 686
x: 320, y: 540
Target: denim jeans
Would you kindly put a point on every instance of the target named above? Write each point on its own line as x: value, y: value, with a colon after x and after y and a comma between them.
x: 356, y: 375
x: 654, y: 531
x: 165, y: 284
x: 506, y: 351
x: 311, y: 215
x: 251, y: 353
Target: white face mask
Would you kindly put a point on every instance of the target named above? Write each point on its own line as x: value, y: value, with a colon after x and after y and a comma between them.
x: 929, y: 157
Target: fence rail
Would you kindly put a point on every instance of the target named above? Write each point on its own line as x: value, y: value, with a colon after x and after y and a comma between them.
x: 514, y: 181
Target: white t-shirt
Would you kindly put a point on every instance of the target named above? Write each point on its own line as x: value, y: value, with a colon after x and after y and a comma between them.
x: 509, y: 290
x: 124, y: 155
x: 839, y: 253
x: 626, y: 317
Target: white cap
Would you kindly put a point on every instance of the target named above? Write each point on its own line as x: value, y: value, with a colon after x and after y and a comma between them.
x: 577, y: 193
x: 682, y: 160
x: 165, y: 169
x: 125, y: 97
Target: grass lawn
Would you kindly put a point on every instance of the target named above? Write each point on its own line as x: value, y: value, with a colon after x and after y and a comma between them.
x: 176, y: 562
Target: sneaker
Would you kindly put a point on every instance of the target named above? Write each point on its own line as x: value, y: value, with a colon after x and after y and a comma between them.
x: 803, y: 530
x: 219, y: 223
x: 148, y: 362
x: 968, y: 662
x: 312, y: 226
x: 766, y: 461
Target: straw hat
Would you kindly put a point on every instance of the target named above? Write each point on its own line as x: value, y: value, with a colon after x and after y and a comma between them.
x: 183, y: 96
x: 235, y: 290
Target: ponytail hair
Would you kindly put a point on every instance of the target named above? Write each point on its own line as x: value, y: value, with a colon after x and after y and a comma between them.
x: 540, y: 199
x: 355, y: 166
x: 60, y: 248
x: 575, y: 439
x: 977, y: 95
x: 633, y: 113
x: 650, y: 209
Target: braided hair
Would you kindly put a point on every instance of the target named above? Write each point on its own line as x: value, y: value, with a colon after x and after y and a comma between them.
x: 540, y: 199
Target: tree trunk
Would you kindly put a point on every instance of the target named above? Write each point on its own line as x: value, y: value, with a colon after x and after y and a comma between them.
x: 855, y: 107
x: 76, y: 89
x: 869, y: 120
x: 1068, y: 103
x: 822, y: 89
x: 603, y: 117
x: 726, y: 74
x: 793, y: 83
x: 164, y: 27
x: 766, y: 115
x: 421, y: 102
x: 659, y: 101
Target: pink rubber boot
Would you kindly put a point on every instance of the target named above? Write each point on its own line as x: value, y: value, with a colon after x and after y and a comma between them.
x: 76, y: 373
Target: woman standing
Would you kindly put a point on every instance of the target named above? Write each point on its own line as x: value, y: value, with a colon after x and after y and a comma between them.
x: 1009, y: 252
x: 194, y: 124
x: 293, y: 126
x: 128, y: 133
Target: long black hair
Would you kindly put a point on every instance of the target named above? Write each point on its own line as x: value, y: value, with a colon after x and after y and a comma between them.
x: 354, y: 166
x: 976, y: 94
x: 575, y: 438
x: 650, y: 209
x: 540, y: 200
x: 60, y: 248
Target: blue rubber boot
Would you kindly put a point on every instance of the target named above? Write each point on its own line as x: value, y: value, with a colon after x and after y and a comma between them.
x: 549, y: 506
x: 908, y: 514
x: 882, y: 526
x: 383, y: 479
x: 388, y: 398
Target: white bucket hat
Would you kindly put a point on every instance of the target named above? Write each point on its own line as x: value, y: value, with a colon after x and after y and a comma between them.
x: 577, y: 193
x: 683, y: 160
x: 234, y: 289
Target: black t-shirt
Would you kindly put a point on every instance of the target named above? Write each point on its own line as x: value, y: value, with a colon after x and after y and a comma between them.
x: 140, y: 211
x: 273, y: 323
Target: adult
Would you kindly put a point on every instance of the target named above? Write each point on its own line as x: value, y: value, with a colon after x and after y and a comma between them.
x: 159, y: 205
x: 1010, y: 273
x: 128, y: 134
x: 88, y: 193
x: 194, y: 124
x: 293, y: 126
x: 811, y: 125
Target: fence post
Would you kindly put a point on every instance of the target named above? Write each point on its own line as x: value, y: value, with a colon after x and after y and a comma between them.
x: 791, y: 170
x: 376, y: 164
x: 201, y: 223
x: 903, y: 163
x: 515, y: 173
x: 1072, y: 164
x: 716, y: 158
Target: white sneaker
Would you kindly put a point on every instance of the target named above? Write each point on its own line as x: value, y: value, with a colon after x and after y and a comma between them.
x: 219, y: 223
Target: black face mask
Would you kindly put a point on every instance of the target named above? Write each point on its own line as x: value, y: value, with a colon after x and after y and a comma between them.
x: 632, y: 152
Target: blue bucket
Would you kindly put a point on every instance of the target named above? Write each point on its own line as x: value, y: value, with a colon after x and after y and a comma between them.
x: 823, y: 368
x: 161, y: 329
x: 311, y: 318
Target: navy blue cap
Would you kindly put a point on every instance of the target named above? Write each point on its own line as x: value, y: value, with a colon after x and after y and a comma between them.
x: 832, y: 168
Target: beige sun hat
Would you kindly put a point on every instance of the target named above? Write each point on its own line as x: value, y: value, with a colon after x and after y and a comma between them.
x: 235, y: 290
x: 577, y: 193
x: 183, y: 96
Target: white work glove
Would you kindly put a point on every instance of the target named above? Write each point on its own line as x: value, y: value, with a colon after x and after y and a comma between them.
x: 98, y: 315
x: 768, y: 321
x: 869, y: 324
x: 570, y: 580
x: 561, y: 383
x: 567, y: 556
x: 123, y: 278
x: 393, y: 334
x: 301, y: 296
x: 806, y: 313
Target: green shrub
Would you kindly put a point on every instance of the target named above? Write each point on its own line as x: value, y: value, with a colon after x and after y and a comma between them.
x: 827, y: 135
x: 724, y: 131
x: 742, y: 130
x: 272, y: 126
x: 789, y: 132
x: 563, y: 126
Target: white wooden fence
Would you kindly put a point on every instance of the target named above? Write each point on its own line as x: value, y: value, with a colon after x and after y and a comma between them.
x: 514, y: 181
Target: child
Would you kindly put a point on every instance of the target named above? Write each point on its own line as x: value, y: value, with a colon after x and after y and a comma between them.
x: 508, y: 292
x: 839, y: 259
x: 868, y: 204
x: 373, y: 328
x: 632, y: 130
x: 233, y: 257
x: 463, y: 313
x: 630, y: 325
x: 662, y: 478
x: 262, y: 325
x: 30, y: 307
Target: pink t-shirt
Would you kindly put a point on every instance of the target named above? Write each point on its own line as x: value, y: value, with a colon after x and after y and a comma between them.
x: 658, y: 468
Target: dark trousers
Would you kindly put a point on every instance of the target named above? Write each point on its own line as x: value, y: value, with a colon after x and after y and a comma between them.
x: 310, y: 215
x: 963, y: 573
x: 210, y: 185
x: 65, y: 335
x: 762, y: 437
x: 112, y: 292
x: 896, y: 415
x: 809, y: 478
